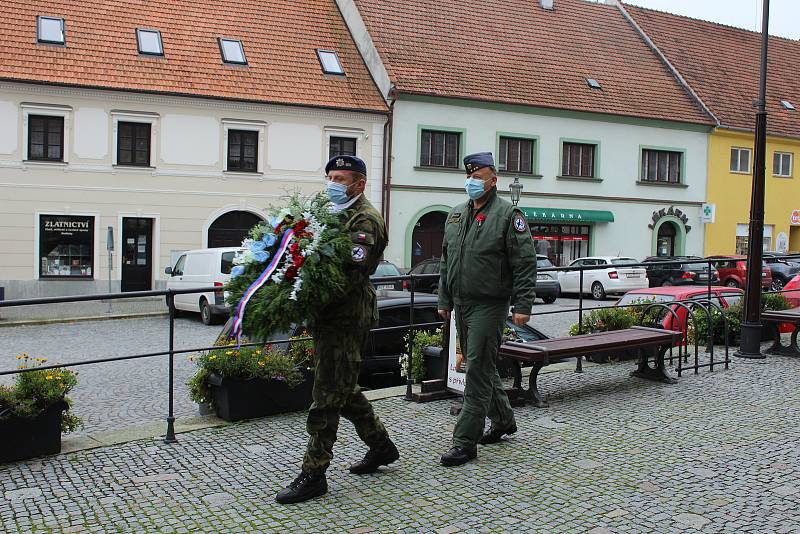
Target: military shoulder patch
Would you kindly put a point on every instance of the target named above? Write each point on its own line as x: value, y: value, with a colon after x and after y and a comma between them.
x: 359, y: 254
x: 454, y: 217
x: 519, y: 223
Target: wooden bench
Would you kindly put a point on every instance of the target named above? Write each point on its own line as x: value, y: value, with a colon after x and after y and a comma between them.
x: 773, y: 320
x: 651, y: 344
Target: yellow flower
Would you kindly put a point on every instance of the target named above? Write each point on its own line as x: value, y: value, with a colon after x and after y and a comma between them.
x: 261, y: 364
x: 228, y: 352
x: 49, y: 377
x: 212, y: 357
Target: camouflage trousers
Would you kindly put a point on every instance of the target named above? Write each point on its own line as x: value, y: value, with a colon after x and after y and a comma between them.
x: 337, y: 394
x: 480, y: 331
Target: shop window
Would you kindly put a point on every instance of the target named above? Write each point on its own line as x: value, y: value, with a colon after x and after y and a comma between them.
x: 662, y: 166
x: 342, y: 146
x: 578, y: 160
x: 562, y: 244
x: 133, y: 144
x: 45, y: 138
x: 242, y: 150
x: 742, y: 238
x: 740, y: 160
x: 66, y: 246
x: 516, y: 155
x: 439, y: 149
x: 782, y: 164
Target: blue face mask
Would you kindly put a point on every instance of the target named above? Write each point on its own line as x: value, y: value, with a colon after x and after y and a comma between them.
x: 474, y: 188
x: 337, y: 192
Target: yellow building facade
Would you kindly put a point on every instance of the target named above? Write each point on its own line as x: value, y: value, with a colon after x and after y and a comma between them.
x: 730, y: 173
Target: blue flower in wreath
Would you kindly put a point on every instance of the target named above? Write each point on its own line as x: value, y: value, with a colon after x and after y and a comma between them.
x: 256, y: 246
x: 269, y: 240
x: 261, y: 256
x: 237, y: 270
x: 275, y: 221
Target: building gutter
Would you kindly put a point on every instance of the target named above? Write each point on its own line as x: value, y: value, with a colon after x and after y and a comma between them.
x: 387, y: 161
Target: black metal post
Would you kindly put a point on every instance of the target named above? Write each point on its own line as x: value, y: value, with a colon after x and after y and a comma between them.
x: 579, y: 362
x: 409, y: 379
x: 751, y: 325
x: 170, y: 437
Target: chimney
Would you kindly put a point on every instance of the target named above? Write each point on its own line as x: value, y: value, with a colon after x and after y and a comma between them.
x: 546, y: 4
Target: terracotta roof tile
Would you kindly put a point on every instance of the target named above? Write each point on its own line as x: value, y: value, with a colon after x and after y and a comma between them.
x: 513, y: 51
x: 279, y: 37
x: 722, y: 65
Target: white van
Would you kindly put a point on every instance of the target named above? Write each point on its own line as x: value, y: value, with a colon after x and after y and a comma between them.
x: 200, y: 269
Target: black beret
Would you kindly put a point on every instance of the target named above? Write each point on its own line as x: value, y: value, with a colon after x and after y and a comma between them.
x: 477, y: 161
x: 346, y: 163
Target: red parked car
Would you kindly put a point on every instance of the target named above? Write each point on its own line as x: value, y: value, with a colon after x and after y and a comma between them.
x: 733, y: 271
x: 722, y: 296
x: 792, y: 289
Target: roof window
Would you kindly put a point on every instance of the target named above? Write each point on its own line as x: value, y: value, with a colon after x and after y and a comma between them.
x: 149, y: 42
x: 594, y: 84
x: 50, y: 30
x: 330, y: 62
x: 232, y: 51
x: 788, y: 105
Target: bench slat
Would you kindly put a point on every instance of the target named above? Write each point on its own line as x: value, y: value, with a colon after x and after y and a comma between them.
x: 782, y: 316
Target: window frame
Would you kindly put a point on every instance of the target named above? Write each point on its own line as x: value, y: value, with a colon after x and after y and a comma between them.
x: 93, y: 243
x: 245, y: 134
x: 321, y: 51
x: 534, y: 139
x: 139, y: 42
x: 222, y: 51
x: 595, y: 158
x: 149, y: 138
x: 39, y: 38
x: 681, y: 166
x: 152, y: 119
x: 245, y: 125
x: 45, y: 158
x: 354, y: 139
x: 739, y: 159
x: 781, y: 154
x: 460, y: 132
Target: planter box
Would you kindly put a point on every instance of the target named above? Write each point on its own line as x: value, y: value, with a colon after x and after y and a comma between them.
x: 28, y: 438
x: 235, y: 399
x: 434, y: 365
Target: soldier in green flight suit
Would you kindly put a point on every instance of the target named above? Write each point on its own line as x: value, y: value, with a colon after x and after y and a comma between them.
x: 339, y: 335
x: 488, y: 263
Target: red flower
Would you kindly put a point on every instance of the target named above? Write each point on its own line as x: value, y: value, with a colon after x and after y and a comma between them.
x: 300, y: 226
x: 293, y: 248
x: 291, y: 273
x: 298, y: 260
x: 480, y: 218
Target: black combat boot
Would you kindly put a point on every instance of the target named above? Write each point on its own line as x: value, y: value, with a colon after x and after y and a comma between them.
x: 384, y: 454
x: 495, y: 434
x: 304, y: 487
x: 459, y: 455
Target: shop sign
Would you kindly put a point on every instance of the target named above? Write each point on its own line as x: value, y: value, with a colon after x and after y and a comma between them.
x: 708, y: 213
x: 795, y: 218
x: 673, y: 211
x: 456, y: 362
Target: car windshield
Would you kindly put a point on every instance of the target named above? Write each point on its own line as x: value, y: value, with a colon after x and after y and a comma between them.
x: 635, y: 298
x: 386, y: 269
x: 543, y: 263
x: 624, y: 261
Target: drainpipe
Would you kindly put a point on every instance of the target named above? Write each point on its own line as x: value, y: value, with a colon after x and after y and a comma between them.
x: 387, y: 165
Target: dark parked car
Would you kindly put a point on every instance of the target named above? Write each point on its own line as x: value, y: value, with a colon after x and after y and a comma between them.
x: 679, y: 274
x: 548, y: 287
x: 386, y: 268
x: 429, y: 285
x: 783, y: 269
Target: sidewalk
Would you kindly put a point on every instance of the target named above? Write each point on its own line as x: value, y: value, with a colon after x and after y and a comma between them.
x: 714, y: 453
x: 82, y: 311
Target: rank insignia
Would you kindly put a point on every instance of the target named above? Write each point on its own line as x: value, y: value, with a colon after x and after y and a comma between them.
x: 454, y: 217
x: 359, y: 254
x: 519, y: 223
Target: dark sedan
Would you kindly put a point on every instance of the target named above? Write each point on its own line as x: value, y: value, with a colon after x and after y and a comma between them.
x: 692, y: 270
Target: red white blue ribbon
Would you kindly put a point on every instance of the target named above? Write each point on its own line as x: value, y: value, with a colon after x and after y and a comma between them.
x: 238, y: 317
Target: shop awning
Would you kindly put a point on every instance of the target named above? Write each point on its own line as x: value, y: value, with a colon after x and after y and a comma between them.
x: 566, y: 215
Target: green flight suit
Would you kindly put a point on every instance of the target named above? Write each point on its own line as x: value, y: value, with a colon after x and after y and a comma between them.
x: 488, y: 262
x: 340, y: 334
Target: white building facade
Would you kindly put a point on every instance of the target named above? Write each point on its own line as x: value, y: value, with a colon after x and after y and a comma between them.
x: 148, y: 176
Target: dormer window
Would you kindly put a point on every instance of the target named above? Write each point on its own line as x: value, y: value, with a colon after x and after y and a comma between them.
x: 330, y: 62
x: 232, y: 51
x: 149, y: 42
x: 50, y: 30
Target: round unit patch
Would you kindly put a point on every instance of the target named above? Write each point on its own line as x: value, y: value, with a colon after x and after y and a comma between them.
x: 359, y: 253
x: 519, y: 223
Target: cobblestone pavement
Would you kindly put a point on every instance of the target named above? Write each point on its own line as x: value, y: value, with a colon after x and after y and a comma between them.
x: 112, y: 396
x: 718, y: 452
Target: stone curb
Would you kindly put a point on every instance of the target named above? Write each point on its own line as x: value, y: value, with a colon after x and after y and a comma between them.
x: 30, y: 322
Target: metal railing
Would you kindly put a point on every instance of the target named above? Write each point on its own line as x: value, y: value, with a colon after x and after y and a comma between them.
x: 706, y: 304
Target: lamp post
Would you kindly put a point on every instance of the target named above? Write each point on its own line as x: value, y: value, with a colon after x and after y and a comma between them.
x: 751, y: 326
x: 516, y: 190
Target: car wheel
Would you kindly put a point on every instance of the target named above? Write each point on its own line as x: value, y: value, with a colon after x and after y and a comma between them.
x: 598, y: 293
x: 777, y: 284
x: 205, y: 313
x: 549, y: 300
x: 732, y: 283
x: 666, y: 283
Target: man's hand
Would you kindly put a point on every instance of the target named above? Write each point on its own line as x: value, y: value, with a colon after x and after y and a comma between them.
x: 519, y: 319
x: 444, y: 314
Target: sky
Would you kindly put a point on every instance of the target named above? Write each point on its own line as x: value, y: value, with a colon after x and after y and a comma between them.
x: 784, y: 15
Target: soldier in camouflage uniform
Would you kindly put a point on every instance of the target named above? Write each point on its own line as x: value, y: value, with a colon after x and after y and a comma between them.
x: 339, y: 335
x: 488, y: 262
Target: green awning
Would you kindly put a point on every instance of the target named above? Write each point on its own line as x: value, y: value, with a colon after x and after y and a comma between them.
x: 566, y: 215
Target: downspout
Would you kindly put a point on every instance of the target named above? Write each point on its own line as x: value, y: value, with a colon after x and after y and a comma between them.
x: 387, y: 165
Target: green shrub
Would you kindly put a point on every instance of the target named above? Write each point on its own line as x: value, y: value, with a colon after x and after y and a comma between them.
x: 422, y: 339
x: 606, y: 319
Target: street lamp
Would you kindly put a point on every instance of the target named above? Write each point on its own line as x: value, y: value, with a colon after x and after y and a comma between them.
x: 751, y: 325
x: 516, y: 190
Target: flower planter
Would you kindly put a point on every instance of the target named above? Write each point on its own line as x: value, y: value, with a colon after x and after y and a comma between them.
x: 236, y: 399
x: 28, y: 438
x: 433, y: 362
